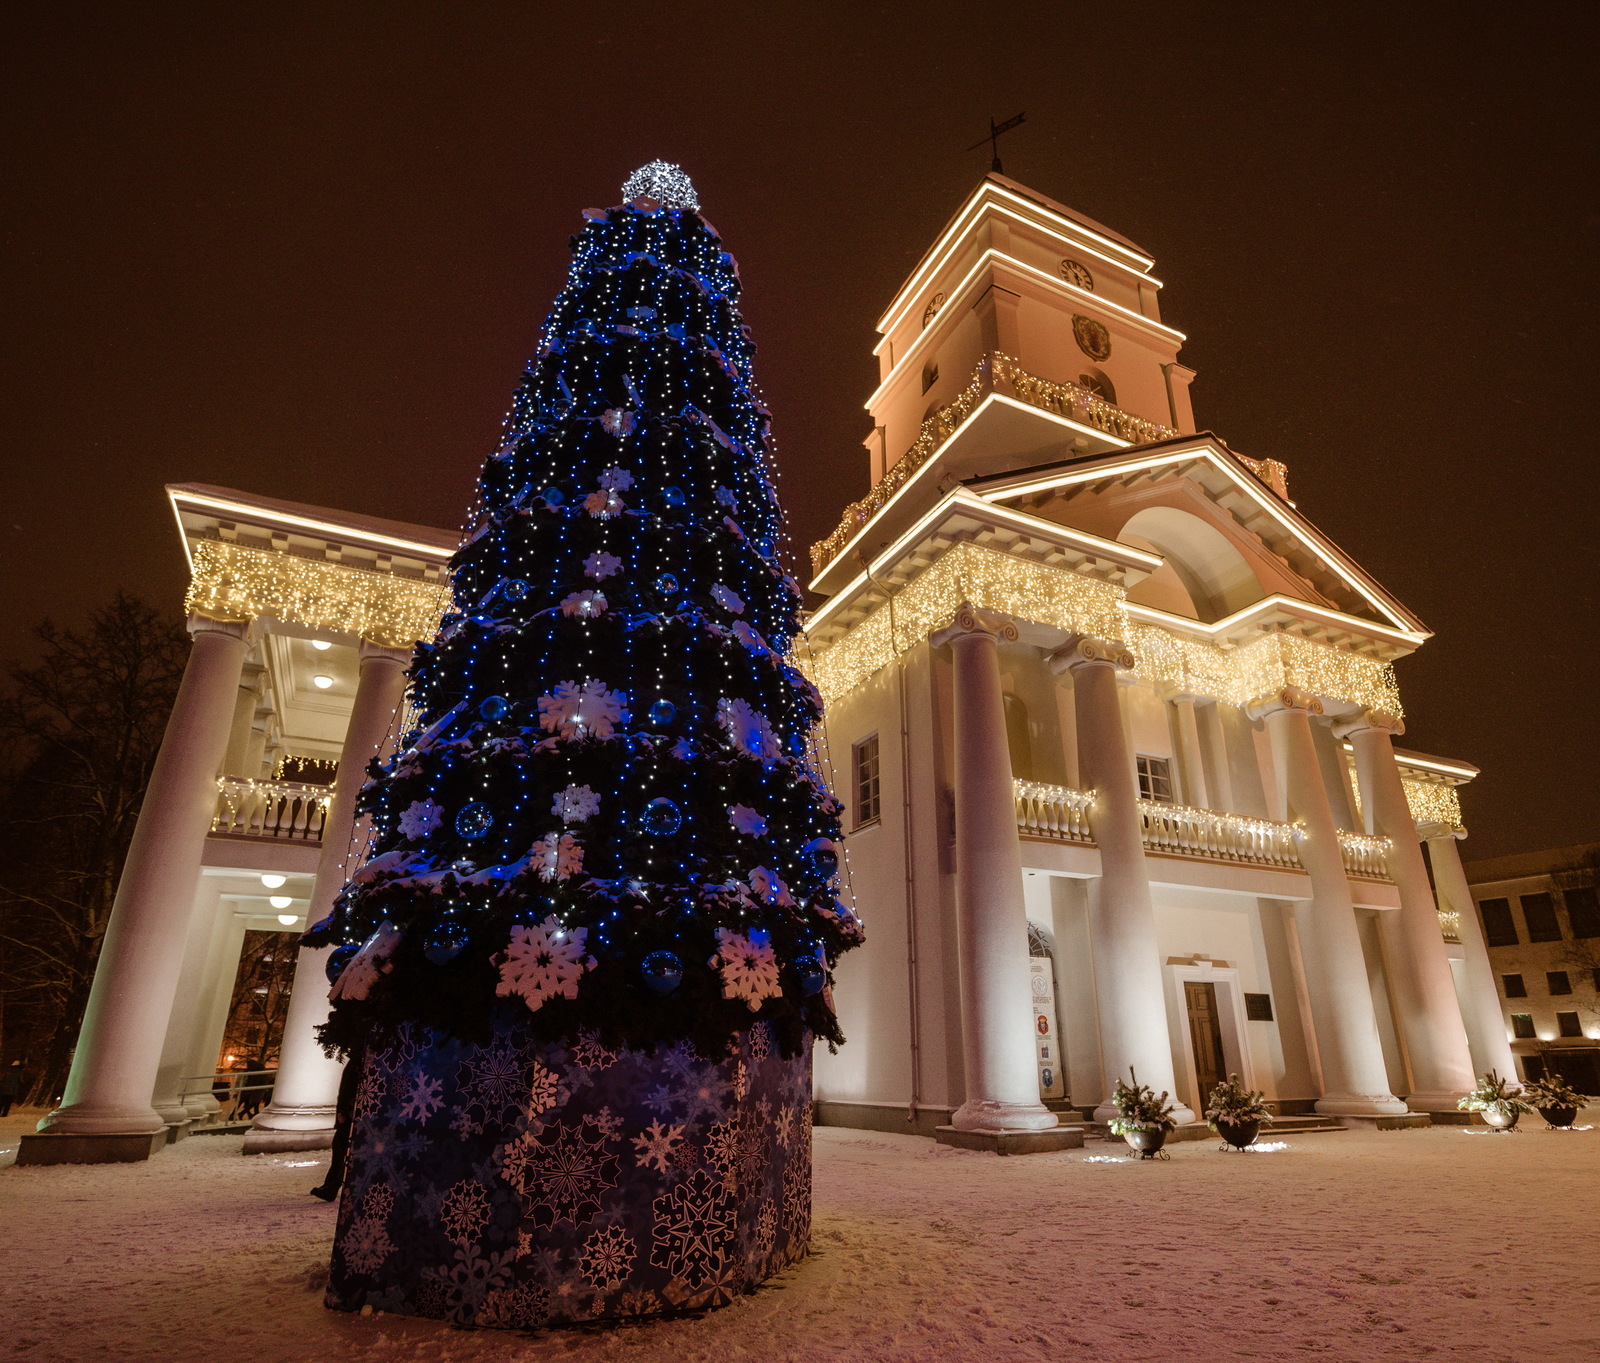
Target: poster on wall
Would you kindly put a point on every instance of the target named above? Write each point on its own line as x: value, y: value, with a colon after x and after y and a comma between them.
x: 1052, y: 1077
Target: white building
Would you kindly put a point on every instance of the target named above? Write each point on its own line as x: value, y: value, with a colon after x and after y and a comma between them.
x: 303, y: 621
x: 1111, y: 717
x: 1540, y: 913
x: 1113, y: 722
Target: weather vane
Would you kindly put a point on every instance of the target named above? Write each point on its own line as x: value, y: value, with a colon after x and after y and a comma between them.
x: 993, y: 139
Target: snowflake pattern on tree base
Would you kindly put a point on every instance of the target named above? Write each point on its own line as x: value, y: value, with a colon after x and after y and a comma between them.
x: 526, y: 1182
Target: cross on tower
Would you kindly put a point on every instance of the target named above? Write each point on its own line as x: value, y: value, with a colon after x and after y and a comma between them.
x: 993, y: 139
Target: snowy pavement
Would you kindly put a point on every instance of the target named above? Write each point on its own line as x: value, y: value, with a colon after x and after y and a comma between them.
x: 1444, y: 1243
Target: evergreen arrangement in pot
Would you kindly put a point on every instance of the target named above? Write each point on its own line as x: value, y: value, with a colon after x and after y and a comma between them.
x: 1557, y: 1101
x: 1143, y: 1118
x: 1236, y: 1113
x: 1499, y: 1105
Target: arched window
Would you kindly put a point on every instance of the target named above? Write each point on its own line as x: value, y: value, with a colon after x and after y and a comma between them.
x: 930, y: 374
x: 1019, y: 740
x: 1097, y: 383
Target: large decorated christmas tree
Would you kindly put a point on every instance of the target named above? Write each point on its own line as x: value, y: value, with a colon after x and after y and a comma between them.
x: 579, y: 971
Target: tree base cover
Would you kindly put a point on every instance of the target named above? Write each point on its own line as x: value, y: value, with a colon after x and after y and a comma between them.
x: 526, y: 1182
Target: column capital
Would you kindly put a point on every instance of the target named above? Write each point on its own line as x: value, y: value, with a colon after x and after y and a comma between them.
x: 1378, y: 721
x: 1082, y: 650
x: 201, y: 623
x: 1288, y: 698
x: 1429, y: 829
x: 968, y: 620
x: 368, y: 649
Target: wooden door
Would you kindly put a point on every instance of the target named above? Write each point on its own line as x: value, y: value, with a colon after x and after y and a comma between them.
x: 1205, y: 1032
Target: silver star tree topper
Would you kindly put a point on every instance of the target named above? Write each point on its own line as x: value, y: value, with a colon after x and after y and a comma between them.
x: 664, y: 182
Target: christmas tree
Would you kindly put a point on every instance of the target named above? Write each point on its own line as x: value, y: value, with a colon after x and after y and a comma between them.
x: 605, y: 834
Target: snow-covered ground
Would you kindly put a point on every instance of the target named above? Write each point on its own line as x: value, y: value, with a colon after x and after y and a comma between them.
x: 1445, y: 1243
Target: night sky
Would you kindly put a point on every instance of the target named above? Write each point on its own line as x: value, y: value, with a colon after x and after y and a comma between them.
x: 303, y: 250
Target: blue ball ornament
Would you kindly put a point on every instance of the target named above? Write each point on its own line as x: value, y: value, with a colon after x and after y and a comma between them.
x: 494, y: 707
x: 809, y: 971
x: 661, y: 818
x: 338, y: 959
x: 515, y: 589
x: 552, y: 496
x: 672, y: 496
x: 666, y: 584
x: 474, y: 820
x: 661, y: 972
x: 662, y: 713
x: 445, y: 940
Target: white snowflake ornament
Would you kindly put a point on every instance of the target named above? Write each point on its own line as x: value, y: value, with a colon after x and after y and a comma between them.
x: 616, y: 479
x: 617, y: 421
x: 601, y: 565
x: 543, y: 960
x: 727, y: 598
x: 357, y: 978
x: 769, y: 889
x: 420, y: 819
x: 576, y: 804
x: 582, y: 710
x: 747, y: 729
x: 749, y: 969
x: 557, y: 856
x: 585, y: 605
x: 604, y: 505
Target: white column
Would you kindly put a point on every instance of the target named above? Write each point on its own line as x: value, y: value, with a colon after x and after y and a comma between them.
x: 1430, y: 1015
x: 301, y: 1114
x: 1002, y: 1077
x: 1481, y: 1009
x: 1354, y: 1080
x: 205, y: 922
x: 1195, y: 792
x: 1122, y: 919
x: 119, y: 1047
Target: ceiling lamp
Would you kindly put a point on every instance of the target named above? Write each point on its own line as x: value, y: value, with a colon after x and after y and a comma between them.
x: 272, y: 882
x: 280, y: 901
x: 321, y: 645
x: 288, y: 919
x: 321, y: 682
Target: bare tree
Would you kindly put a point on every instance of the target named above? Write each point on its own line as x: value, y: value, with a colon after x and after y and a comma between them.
x: 79, y: 731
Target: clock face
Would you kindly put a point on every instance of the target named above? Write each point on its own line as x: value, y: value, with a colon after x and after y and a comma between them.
x: 934, y: 304
x: 1092, y: 338
x: 1075, y: 272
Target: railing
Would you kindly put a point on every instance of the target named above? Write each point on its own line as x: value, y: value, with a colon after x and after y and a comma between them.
x: 994, y: 371
x: 1365, y: 856
x: 1187, y: 832
x: 1055, y: 812
x: 270, y: 809
x: 1061, y: 814
x: 239, y: 1094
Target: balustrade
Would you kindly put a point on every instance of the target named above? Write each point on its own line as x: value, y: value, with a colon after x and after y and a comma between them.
x: 270, y: 809
x: 1365, y: 856
x: 1061, y: 814
x: 1222, y: 837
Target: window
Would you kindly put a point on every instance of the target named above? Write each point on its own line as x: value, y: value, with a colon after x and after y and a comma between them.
x: 930, y: 375
x: 1514, y: 987
x: 1498, y: 929
x: 1098, y: 384
x: 1558, y: 981
x: 1532, y: 1067
x: 1522, y: 1026
x: 1583, y: 911
x: 1567, y: 1024
x: 1258, y: 1007
x: 1539, y: 913
x: 868, y: 796
x: 1155, y: 778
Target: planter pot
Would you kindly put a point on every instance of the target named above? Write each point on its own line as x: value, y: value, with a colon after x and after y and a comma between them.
x: 526, y: 1182
x: 1559, y: 1116
x: 1497, y: 1120
x: 1146, y: 1143
x: 1238, y: 1134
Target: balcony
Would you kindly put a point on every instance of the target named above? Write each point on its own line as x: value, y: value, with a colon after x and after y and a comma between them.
x: 1061, y: 814
x: 292, y: 810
